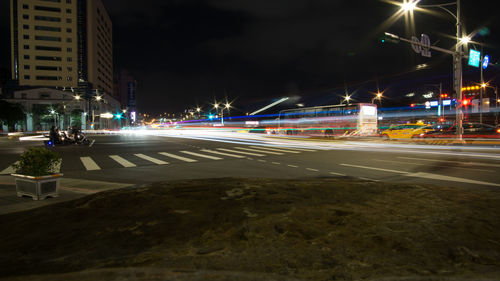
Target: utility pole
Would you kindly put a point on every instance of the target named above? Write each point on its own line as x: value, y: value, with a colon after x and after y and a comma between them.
x: 457, y: 75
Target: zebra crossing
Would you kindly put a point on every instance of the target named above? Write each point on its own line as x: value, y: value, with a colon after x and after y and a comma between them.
x: 89, y: 163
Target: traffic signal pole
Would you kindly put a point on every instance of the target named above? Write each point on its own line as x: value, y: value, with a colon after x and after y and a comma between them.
x: 457, y: 70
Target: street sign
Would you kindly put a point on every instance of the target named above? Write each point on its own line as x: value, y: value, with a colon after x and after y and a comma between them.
x: 474, y: 58
x: 422, y: 46
x: 486, y: 61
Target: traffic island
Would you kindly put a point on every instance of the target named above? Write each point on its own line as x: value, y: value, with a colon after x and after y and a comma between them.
x: 259, y: 229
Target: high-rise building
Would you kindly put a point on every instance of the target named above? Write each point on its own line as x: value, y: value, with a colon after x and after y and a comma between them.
x: 62, y: 43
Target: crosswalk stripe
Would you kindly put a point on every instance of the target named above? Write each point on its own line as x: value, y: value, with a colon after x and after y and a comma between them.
x: 301, y: 149
x: 89, y: 164
x: 275, y: 149
x: 241, y: 152
x: 222, y: 153
x: 185, y: 159
x: 258, y: 150
x: 202, y: 155
x: 124, y: 162
x: 151, y: 159
x: 9, y: 170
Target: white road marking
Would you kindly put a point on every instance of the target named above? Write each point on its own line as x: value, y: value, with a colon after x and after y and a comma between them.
x: 425, y: 175
x: 437, y: 160
x: 242, y: 152
x: 185, y: 159
x: 258, y: 150
x: 292, y: 166
x: 420, y: 164
x: 151, y: 159
x: 311, y: 169
x: 260, y: 160
x: 275, y: 149
x: 9, y: 170
x: 89, y: 164
x: 301, y: 149
x: 367, y: 179
x: 276, y: 163
x: 373, y: 168
x: 222, y: 153
x: 124, y: 162
x: 202, y: 155
x: 448, y: 178
x: 337, y: 174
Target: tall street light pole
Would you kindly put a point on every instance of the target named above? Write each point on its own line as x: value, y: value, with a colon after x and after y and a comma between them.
x: 457, y: 62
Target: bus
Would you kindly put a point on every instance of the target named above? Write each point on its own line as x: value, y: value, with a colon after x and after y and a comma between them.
x: 348, y: 120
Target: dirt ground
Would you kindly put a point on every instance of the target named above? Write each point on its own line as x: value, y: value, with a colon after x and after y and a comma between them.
x: 259, y: 229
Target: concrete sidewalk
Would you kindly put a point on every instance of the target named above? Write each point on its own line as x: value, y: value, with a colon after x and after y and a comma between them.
x: 69, y: 189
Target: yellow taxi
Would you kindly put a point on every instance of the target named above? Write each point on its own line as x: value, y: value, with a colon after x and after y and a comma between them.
x: 406, y: 131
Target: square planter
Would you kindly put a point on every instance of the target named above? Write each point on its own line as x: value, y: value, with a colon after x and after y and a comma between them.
x: 37, y: 188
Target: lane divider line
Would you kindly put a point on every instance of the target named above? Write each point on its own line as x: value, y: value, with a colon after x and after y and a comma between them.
x: 425, y: 175
x: 292, y: 166
x: 311, y: 169
x: 337, y: 174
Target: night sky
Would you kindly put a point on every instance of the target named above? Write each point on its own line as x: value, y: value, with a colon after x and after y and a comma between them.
x: 185, y: 53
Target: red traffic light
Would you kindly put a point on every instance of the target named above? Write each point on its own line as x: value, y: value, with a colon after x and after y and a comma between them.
x: 444, y: 95
x: 412, y: 105
x: 465, y: 102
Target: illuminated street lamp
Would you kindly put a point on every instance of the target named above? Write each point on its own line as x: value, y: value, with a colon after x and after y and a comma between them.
x: 379, y: 97
x: 409, y: 6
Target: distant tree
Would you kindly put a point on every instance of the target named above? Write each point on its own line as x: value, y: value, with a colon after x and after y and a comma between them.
x: 76, y: 117
x: 10, y: 114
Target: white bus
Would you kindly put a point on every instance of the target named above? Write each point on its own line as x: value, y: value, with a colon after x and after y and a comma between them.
x: 355, y: 119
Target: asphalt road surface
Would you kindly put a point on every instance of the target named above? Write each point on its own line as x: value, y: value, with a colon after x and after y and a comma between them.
x: 139, y: 158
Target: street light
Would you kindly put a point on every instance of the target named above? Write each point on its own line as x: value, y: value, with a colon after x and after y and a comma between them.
x: 379, y: 97
x: 457, y: 55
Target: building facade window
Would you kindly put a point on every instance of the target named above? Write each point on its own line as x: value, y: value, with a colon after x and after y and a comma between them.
x: 26, y: 57
x: 25, y: 36
x: 49, y: 68
x: 50, y: 78
x: 48, y: 38
x: 70, y: 68
x: 25, y: 26
x: 47, y: 48
x: 69, y: 40
x: 68, y: 11
x: 26, y: 66
x: 51, y: 19
x: 69, y: 59
x: 26, y: 47
x: 48, y: 58
x: 68, y: 1
x: 48, y: 28
x: 47, y: 9
x: 69, y: 50
x: 25, y: 6
x: 68, y: 30
x: 26, y: 17
x: 68, y: 20
x: 27, y: 77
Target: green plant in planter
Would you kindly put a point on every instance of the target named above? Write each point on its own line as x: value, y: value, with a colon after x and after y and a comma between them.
x: 38, y: 161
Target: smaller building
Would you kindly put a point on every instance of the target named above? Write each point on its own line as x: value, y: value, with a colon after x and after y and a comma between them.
x: 46, y: 107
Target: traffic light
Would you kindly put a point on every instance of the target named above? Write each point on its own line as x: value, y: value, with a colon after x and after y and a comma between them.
x: 465, y: 102
x: 444, y: 96
x: 388, y: 37
x: 412, y: 105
